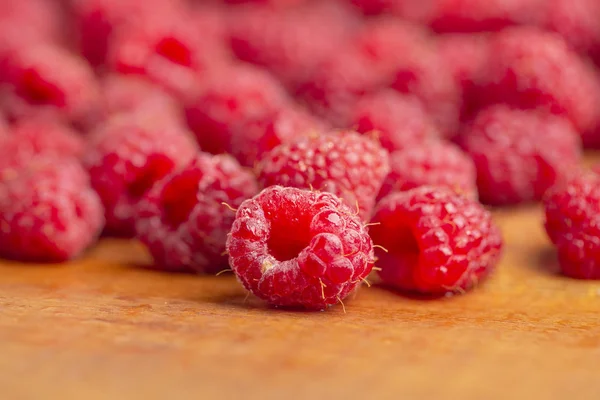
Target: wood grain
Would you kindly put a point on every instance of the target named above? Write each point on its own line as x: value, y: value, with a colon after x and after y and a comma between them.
x: 105, y: 328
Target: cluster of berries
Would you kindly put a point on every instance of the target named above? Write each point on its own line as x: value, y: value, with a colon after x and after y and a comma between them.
x: 300, y: 143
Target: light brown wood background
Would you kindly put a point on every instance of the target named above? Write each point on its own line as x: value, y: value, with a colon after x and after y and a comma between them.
x: 104, y: 328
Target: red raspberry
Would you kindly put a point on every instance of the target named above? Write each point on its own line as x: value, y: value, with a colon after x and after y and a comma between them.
x: 431, y: 163
x: 299, y: 248
x: 237, y: 94
x: 127, y: 156
x: 122, y: 94
x: 46, y: 78
x: 183, y: 220
x: 48, y: 216
x: 289, y: 44
x: 577, y: 22
x: 398, y: 120
x: 437, y: 241
x: 519, y: 154
x: 573, y: 224
x: 337, y: 83
x: 167, y: 50
x: 251, y: 139
x: 529, y: 68
x: 31, y: 139
x: 466, y: 55
x: 347, y: 164
x: 96, y: 21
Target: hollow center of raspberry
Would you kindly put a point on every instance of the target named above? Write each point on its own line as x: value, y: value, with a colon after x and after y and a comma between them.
x: 403, y: 246
x: 157, y: 167
x: 174, y: 51
x: 36, y: 90
x: 179, y: 197
x: 289, y: 236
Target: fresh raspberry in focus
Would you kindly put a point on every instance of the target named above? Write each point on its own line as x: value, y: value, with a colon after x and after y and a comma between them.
x: 252, y: 138
x: 345, y: 163
x: 299, y: 248
x: 431, y: 163
x: 573, y: 224
x: 399, y: 121
x: 437, y: 241
x: 234, y: 95
x: 519, y: 154
x: 183, y: 220
x: 48, y: 214
x: 126, y: 157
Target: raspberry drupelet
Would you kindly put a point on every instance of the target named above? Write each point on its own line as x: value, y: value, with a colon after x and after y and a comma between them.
x: 346, y: 163
x: 399, y: 121
x: 299, y: 248
x: 436, y: 241
x: 48, y: 212
x: 127, y: 155
x: 519, y: 154
x: 431, y: 163
x: 572, y: 211
x: 185, y: 218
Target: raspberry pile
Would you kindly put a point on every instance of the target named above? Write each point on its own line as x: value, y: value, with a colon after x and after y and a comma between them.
x: 301, y: 144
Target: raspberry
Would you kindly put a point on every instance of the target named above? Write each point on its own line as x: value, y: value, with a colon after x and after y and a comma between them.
x: 337, y: 83
x: 299, y: 248
x: 289, y: 44
x: 167, y: 50
x: 438, y: 241
x: 347, y: 164
x: 519, y: 154
x: 399, y: 120
x: 529, y: 68
x: 466, y: 55
x: 127, y: 156
x: 572, y: 222
x: 47, y: 216
x: 96, y: 22
x: 45, y: 78
x: 183, y: 221
x: 431, y: 163
x: 29, y: 140
x: 251, y: 139
x: 577, y: 22
x: 122, y: 94
x: 237, y: 94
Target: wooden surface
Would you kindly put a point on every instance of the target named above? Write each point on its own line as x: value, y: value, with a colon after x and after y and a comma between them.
x: 104, y: 328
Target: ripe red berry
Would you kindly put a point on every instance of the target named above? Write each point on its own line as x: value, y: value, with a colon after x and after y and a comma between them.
x: 235, y: 95
x: 437, y: 241
x: 573, y: 224
x: 519, y: 154
x: 42, y: 78
x: 252, y: 138
x: 399, y: 121
x: 183, y: 220
x: 299, y: 248
x: 348, y: 164
x: 529, y: 68
x: 431, y: 163
x: 48, y: 216
x: 127, y: 156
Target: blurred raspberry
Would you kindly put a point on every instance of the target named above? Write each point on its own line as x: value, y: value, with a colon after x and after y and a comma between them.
x: 46, y: 215
x: 127, y: 156
x: 431, y: 163
x: 398, y: 121
x: 46, y: 79
x: 252, y: 138
x: 529, y: 68
x: 234, y: 95
x: 437, y: 241
x: 347, y: 164
x: 184, y: 221
x: 519, y: 154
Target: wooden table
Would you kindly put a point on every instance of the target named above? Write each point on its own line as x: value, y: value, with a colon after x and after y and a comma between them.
x: 105, y: 328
